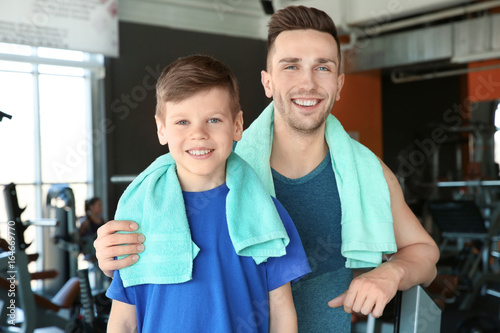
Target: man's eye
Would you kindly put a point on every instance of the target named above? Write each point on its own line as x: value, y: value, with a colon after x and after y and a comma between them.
x: 213, y: 120
x: 291, y: 67
x: 323, y: 68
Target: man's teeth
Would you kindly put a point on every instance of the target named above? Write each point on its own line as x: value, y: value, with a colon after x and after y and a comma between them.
x: 199, y: 152
x: 306, y: 102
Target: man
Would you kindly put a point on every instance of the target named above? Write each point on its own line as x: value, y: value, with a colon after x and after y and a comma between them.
x: 303, y: 77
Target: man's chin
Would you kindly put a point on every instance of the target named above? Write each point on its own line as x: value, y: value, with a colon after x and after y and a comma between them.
x: 307, y: 126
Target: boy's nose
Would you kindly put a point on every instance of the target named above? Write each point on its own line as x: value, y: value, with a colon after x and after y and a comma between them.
x: 199, y: 133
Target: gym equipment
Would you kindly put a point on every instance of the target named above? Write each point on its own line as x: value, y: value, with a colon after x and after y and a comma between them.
x: 461, y: 222
x: 33, y: 310
x: 4, y: 115
x: 63, y: 257
x: 480, y: 324
x: 416, y: 312
x: 93, y: 305
x: 60, y: 205
x: 24, y: 310
x: 455, y: 181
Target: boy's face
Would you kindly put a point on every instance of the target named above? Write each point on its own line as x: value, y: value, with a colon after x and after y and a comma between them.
x: 199, y: 132
x: 303, y: 78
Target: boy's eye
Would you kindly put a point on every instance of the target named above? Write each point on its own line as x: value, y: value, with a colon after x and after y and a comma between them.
x: 213, y: 120
x: 182, y: 122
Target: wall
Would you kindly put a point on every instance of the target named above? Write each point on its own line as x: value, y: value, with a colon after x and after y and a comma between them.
x: 381, y: 11
x: 411, y: 112
x: 360, y: 108
x: 483, y: 90
x: 484, y: 85
x: 246, y: 18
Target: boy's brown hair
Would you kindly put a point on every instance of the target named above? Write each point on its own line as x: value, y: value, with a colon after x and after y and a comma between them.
x: 300, y: 18
x: 190, y: 75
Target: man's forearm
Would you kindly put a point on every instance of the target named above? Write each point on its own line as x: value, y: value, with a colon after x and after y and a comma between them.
x: 414, y: 265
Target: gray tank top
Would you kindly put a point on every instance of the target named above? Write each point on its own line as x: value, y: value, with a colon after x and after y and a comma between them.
x: 313, y: 203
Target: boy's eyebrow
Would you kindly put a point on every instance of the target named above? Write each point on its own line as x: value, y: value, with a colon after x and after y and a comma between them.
x: 185, y: 114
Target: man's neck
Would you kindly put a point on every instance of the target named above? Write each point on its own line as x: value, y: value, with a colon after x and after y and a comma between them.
x: 295, y: 155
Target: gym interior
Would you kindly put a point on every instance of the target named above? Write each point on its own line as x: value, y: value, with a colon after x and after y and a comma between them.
x: 77, y: 101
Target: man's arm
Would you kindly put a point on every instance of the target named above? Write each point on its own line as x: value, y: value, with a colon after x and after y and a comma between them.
x: 109, y: 245
x: 414, y: 263
x: 122, y: 318
x: 282, y: 315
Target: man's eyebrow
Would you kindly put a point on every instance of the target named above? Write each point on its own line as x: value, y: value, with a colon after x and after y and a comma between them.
x: 325, y: 60
x: 289, y: 60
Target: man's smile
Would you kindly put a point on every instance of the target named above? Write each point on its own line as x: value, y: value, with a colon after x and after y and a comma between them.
x: 306, y: 102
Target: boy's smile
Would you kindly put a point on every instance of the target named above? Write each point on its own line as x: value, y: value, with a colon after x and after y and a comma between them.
x: 199, y: 132
x: 200, y: 153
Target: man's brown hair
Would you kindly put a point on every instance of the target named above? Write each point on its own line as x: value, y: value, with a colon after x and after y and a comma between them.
x: 300, y: 18
x: 190, y: 75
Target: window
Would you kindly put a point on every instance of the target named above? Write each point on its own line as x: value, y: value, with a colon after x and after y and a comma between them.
x: 53, y: 98
x: 497, y: 134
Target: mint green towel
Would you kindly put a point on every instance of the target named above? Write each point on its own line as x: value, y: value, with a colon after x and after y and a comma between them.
x: 154, y: 200
x: 367, y: 229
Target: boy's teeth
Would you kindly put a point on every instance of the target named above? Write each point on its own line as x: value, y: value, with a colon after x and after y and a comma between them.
x: 306, y: 102
x: 199, y: 152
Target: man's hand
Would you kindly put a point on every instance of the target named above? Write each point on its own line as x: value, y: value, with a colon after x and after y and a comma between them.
x: 369, y: 292
x: 414, y: 263
x: 109, y: 245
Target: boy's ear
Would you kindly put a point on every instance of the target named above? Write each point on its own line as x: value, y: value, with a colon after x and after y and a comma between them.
x: 162, y: 131
x: 266, y: 80
x: 238, y: 126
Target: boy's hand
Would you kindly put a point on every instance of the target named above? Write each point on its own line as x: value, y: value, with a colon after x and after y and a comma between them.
x: 109, y: 245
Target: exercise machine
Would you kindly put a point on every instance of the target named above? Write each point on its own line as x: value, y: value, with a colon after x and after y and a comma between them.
x: 455, y: 190
x: 60, y: 206
x: 23, y: 309
x: 73, y: 308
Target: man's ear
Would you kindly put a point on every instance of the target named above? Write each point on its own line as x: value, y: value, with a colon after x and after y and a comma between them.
x: 266, y: 80
x: 238, y: 126
x: 161, y: 130
x: 340, y: 84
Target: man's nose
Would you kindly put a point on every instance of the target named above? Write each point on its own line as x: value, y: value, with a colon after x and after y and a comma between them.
x: 308, y: 80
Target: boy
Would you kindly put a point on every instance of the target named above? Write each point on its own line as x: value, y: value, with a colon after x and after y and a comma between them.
x: 199, y: 277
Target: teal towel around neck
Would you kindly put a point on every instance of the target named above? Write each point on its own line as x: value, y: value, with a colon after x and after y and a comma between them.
x: 154, y: 200
x: 367, y: 226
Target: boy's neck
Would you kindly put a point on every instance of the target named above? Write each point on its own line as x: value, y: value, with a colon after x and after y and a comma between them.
x: 295, y: 155
x: 200, y: 183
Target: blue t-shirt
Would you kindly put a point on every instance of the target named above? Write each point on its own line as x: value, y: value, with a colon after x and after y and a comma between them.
x: 228, y: 293
x: 313, y: 202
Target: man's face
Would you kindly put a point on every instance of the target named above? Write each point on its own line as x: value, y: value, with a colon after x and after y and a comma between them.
x: 199, y: 132
x: 303, y: 79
